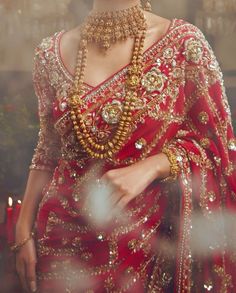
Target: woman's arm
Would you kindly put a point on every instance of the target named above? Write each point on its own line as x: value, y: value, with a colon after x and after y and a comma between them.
x: 43, y: 164
x: 37, y: 180
x: 47, y: 150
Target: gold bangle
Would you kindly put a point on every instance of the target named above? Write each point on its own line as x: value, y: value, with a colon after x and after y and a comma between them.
x: 17, y: 246
x: 174, y: 166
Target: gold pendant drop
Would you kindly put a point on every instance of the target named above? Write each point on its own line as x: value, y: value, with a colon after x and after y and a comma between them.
x: 75, y: 100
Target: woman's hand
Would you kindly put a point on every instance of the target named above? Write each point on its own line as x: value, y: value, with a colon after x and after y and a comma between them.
x: 128, y: 182
x: 26, y: 263
x: 26, y: 256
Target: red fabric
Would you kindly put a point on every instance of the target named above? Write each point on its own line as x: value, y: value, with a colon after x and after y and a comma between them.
x: 183, y: 253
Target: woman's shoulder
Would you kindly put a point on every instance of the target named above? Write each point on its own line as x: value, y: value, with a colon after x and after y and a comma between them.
x: 175, y: 25
x: 46, y: 49
x: 191, y: 40
x: 180, y: 33
x: 187, y: 43
x: 48, y: 42
x: 184, y: 30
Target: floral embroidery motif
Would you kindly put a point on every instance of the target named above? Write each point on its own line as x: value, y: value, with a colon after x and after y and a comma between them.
x: 205, y: 142
x: 46, y: 44
x: 168, y: 53
x: 111, y: 112
x: 153, y: 80
x: 203, y: 117
x: 193, y: 50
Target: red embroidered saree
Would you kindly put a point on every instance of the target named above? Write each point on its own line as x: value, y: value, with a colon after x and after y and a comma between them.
x: 174, y: 237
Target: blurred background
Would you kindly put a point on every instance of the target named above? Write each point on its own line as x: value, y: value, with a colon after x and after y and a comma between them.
x: 23, y: 23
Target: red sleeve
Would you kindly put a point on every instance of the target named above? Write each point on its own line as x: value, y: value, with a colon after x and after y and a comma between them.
x: 47, y: 151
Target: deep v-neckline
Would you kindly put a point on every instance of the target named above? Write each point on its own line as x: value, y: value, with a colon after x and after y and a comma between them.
x: 119, y: 72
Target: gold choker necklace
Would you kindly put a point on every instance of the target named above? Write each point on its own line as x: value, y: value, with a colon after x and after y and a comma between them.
x: 107, y: 28
x: 85, y: 136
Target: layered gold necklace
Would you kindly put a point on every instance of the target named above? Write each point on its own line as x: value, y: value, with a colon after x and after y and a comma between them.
x: 104, y: 29
x: 107, y: 28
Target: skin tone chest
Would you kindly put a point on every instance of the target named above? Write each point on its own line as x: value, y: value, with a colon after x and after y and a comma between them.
x: 102, y: 65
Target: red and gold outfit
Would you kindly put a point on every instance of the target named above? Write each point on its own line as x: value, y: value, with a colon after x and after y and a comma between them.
x: 184, y: 108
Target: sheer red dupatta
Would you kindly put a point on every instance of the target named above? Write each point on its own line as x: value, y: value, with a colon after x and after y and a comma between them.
x: 198, y: 129
x: 207, y: 181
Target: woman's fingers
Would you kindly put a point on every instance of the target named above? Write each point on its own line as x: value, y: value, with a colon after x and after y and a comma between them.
x: 119, y: 194
x: 20, y: 268
x: 26, y: 266
x: 31, y: 275
x: 123, y: 202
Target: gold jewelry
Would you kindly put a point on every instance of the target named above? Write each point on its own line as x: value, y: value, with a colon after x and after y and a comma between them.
x: 17, y: 246
x: 174, y: 166
x: 88, y: 139
x: 107, y: 28
x: 147, y: 6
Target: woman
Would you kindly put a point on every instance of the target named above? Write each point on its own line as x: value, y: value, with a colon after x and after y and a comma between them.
x: 126, y: 160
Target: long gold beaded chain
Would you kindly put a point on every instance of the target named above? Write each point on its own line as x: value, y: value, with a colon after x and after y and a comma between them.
x: 86, y: 138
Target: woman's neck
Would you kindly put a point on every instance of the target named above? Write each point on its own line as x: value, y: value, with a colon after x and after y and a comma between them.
x: 113, y: 5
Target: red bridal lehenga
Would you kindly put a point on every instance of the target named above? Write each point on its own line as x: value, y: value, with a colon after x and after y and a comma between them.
x: 175, y: 236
